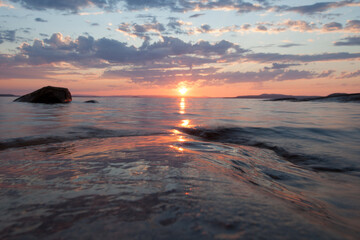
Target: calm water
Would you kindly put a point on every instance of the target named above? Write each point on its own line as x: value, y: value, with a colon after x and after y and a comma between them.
x: 181, y: 168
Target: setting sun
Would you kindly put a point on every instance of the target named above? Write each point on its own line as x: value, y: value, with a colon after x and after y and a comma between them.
x: 182, y: 90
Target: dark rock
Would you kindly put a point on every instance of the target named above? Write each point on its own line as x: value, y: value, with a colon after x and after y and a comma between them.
x: 91, y: 101
x: 47, y: 95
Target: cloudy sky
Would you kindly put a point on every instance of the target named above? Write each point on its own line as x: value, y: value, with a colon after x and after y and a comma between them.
x: 152, y: 47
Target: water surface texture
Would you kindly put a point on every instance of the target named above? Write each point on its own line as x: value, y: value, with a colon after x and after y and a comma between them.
x: 179, y: 168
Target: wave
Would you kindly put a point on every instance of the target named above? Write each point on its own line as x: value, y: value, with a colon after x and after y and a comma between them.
x: 314, y: 148
x: 75, y: 133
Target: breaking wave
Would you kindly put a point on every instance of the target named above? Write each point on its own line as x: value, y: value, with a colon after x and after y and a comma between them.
x: 314, y: 148
x: 73, y: 134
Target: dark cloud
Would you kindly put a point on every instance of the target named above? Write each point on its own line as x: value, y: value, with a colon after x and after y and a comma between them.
x: 333, y: 26
x: 40, y: 20
x: 246, y: 26
x: 326, y: 74
x: 57, y: 48
x: 276, y: 57
x: 298, y: 25
x: 349, y: 41
x: 25, y: 30
x: 350, y: 75
x: 73, y: 5
x: 320, y: 7
x: 287, y: 45
x: 163, y: 62
x: 197, y: 15
x: 261, y: 28
x: 282, y: 65
x: 353, y: 26
x: 146, y: 16
x: 143, y: 31
x: 205, y: 27
x: 174, y: 5
x: 88, y: 52
x: 240, y: 6
x: 7, y: 35
x: 175, y: 25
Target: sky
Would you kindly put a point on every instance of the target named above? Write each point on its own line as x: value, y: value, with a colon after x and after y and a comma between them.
x: 213, y: 48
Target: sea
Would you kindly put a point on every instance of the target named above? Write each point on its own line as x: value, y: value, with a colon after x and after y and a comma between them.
x: 179, y: 168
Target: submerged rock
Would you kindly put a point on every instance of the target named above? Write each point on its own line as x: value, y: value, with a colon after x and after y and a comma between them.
x: 91, y: 101
x: 47, y: 94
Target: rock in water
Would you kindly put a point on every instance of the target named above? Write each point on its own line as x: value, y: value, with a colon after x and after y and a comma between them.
x: 47, y: 95
x: 91, y: 101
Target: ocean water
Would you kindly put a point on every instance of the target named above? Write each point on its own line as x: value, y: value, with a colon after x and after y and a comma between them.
x: 179, y: 168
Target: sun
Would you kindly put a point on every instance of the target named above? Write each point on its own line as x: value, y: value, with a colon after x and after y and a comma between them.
x: 182, y: 90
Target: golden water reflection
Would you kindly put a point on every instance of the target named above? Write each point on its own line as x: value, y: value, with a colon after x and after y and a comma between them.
x: 179, y: 137
x: 185, y: 123
x: 182, y: 106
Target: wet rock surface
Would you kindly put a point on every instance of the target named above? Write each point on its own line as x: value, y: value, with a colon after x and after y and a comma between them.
x: 48, y: 95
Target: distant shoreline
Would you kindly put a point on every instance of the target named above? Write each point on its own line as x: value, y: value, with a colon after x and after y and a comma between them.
x: 8, y: 95
x: 267, y: 97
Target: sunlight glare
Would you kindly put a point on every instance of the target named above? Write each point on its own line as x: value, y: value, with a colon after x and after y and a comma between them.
x: 182, y: 90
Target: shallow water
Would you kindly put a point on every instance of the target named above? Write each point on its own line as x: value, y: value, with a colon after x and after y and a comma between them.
x: 147, y: 168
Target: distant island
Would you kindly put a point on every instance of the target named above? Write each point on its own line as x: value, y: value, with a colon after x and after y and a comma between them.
x: 334, y: 97
x: 7, y: 95
x: 273, y: 96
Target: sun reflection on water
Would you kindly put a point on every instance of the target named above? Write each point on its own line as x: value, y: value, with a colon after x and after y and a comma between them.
x: 182, y: 106
x: 185, y: 123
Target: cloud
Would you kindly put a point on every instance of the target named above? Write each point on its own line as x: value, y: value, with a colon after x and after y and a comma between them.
x: 333, y: 26
x: 287, y: 45
x: 163, y: 62
x: 90, y: 13
x: 282, y: 65
x: 353, y: 26
x: 40, y: 20
x: 197, y: 15
x: 263, y: 76
x: 350, y: 75
x: 206, y: 76
x: 175, y: 25
x: 261, y: 28
x: 73, y: 5
x: 321, y: 7
x: 7, y: 35
x: 327, y: 73
x: 276, y: 57
x: 349, y: 41
x: 182, y: 6
x: 298, y: 25
x: 143, y: 31
x: 175, y: 6
x: 88, y: 52
x: 5, y: 5
x: 156, y: 76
